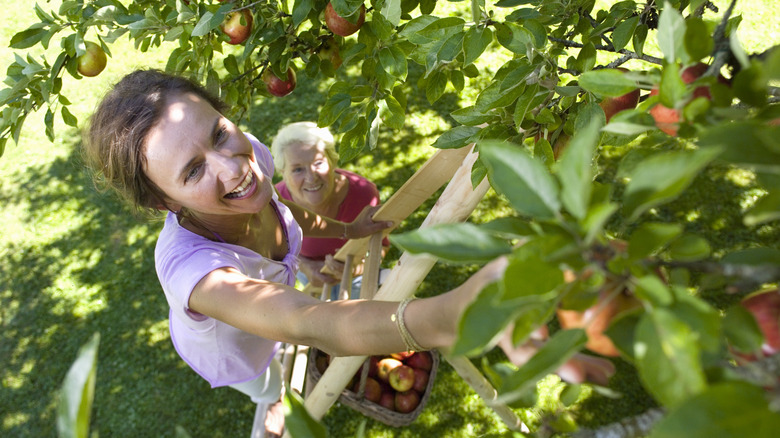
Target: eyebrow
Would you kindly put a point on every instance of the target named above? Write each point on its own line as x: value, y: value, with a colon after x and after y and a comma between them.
x: 188, y: 165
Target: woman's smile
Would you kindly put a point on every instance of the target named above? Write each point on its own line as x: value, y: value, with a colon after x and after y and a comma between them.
x: 245, y: 189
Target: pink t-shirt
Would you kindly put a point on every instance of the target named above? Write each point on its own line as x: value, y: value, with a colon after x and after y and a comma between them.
x: 360, y: 193
x: 220, y: 353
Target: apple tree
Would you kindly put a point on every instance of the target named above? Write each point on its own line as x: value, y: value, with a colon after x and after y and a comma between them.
x: 600, y: 117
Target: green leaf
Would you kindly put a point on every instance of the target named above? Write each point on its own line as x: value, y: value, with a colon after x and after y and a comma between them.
x: 513, y: 37
x: 672, y: 89
x: 458, y: 243
x: 69, y: 118
x: 742, y: 330
x: 671, y: 35
x: 640, y: 35
x: 662, y: 177
x: 703, y: 319
x: 298, y: 421
x: 528, y: 278
x: 538, y: 31
x: 607, y: 82
x: 689, y: 248
x: 698, y: 42
x: 526, y: 101
x: 204, y: 25
x: 652, y: 289
x: 437, y: 83
x: 765, y: 210
x: 667, y: 358
x: 391, y: 10
x: 456, y: 137
x: 301, y: 10
x: 77, y: 393
x: 555, y: 352
x: 729, y: 409
x: 482, y: 321
x: 623, y: 32
x: 393, y: 60
x: 651, y: 237
x: 333, y: 108
x: 392, y: 113
x: 27, y: 38
x: 470, y: 116
x: 575, y: 169
x: 586, y: 59
x: 524, y: 181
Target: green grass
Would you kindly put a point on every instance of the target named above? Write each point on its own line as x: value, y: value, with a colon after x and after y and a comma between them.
x: 75, y: 262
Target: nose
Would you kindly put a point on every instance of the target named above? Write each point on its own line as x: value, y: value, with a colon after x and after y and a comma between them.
x: 226, y: 167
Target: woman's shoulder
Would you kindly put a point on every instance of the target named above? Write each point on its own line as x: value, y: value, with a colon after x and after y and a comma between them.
x: 354, y: 179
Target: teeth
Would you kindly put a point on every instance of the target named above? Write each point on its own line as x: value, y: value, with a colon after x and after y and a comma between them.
x: 314, y: 189
x: 241, y: 189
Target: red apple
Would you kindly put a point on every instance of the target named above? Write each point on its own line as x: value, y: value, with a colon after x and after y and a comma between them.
x: 340, y: 25
x: 372, y: 366
x: 371, y: 392
x: 406, y: 401
x: 387, y: 400
x: 279, y: 87
x: 402, y: 356
x: 93, y: 61
x: 597, y: 319
x: 765, y: 307
x: 330, y: 51
x: 385, y: 365
x: 421, y: 378
x: 421, y: 360
x: 668, y: 119
x: 237, y: 26
x: 613, y: 105
x: 401, y: 378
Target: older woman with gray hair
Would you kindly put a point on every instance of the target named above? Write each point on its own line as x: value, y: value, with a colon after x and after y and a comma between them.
x: 306, y: 156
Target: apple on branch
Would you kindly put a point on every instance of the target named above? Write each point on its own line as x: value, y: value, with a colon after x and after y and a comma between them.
x: 237, y: 26
x: 93, y: 61
x: 279, y: 87
x: 765, y: 307
x: 329, y: 51
x: 668, y: 119
x: 344, y: 26
x: 613, y: 105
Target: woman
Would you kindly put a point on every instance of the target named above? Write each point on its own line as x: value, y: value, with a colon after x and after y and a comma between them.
x: 227, y: 255
x: 306, y: 156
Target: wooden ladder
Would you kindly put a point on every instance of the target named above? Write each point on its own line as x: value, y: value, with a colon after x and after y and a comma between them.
x: 454, y: 205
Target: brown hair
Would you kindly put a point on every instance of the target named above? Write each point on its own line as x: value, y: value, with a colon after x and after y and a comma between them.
x: 114, y: 141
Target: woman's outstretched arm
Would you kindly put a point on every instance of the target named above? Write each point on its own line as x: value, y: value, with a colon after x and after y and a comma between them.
x: 343, y: 328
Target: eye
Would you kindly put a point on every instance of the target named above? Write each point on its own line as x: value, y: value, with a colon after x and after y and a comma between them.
x: 220, y: 135
x: 194, y: 173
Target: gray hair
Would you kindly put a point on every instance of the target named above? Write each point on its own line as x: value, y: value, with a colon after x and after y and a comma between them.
x: 305, y: 133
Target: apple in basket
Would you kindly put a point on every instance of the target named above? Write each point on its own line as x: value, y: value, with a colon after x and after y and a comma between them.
x: 406, y: 401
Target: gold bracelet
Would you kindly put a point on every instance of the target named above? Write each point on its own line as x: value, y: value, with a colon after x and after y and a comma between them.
x: 398, y: 318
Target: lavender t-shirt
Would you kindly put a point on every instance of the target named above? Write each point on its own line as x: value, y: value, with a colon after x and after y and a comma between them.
x: 219, y: 352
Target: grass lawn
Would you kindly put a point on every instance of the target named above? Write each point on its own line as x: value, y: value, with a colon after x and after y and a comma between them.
x: 75, y: 262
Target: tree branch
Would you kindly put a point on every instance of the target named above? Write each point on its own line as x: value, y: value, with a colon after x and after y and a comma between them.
x: 625, y: 52
x: 722, y: 51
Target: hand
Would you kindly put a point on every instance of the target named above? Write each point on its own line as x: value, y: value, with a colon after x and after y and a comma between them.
x: 311, y: 268
x: 364, y: 225
x: 580, y: 368
x: 334, y: 266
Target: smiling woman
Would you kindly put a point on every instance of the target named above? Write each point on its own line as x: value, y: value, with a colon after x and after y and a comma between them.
x: 307, y: 158
x: 228, y: 252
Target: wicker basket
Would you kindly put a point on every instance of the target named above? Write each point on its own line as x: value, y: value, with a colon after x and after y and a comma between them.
x: 369, y: 408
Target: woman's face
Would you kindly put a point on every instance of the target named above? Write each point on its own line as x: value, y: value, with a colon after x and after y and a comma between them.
x: 203, y: 162
x: 309, y: 175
